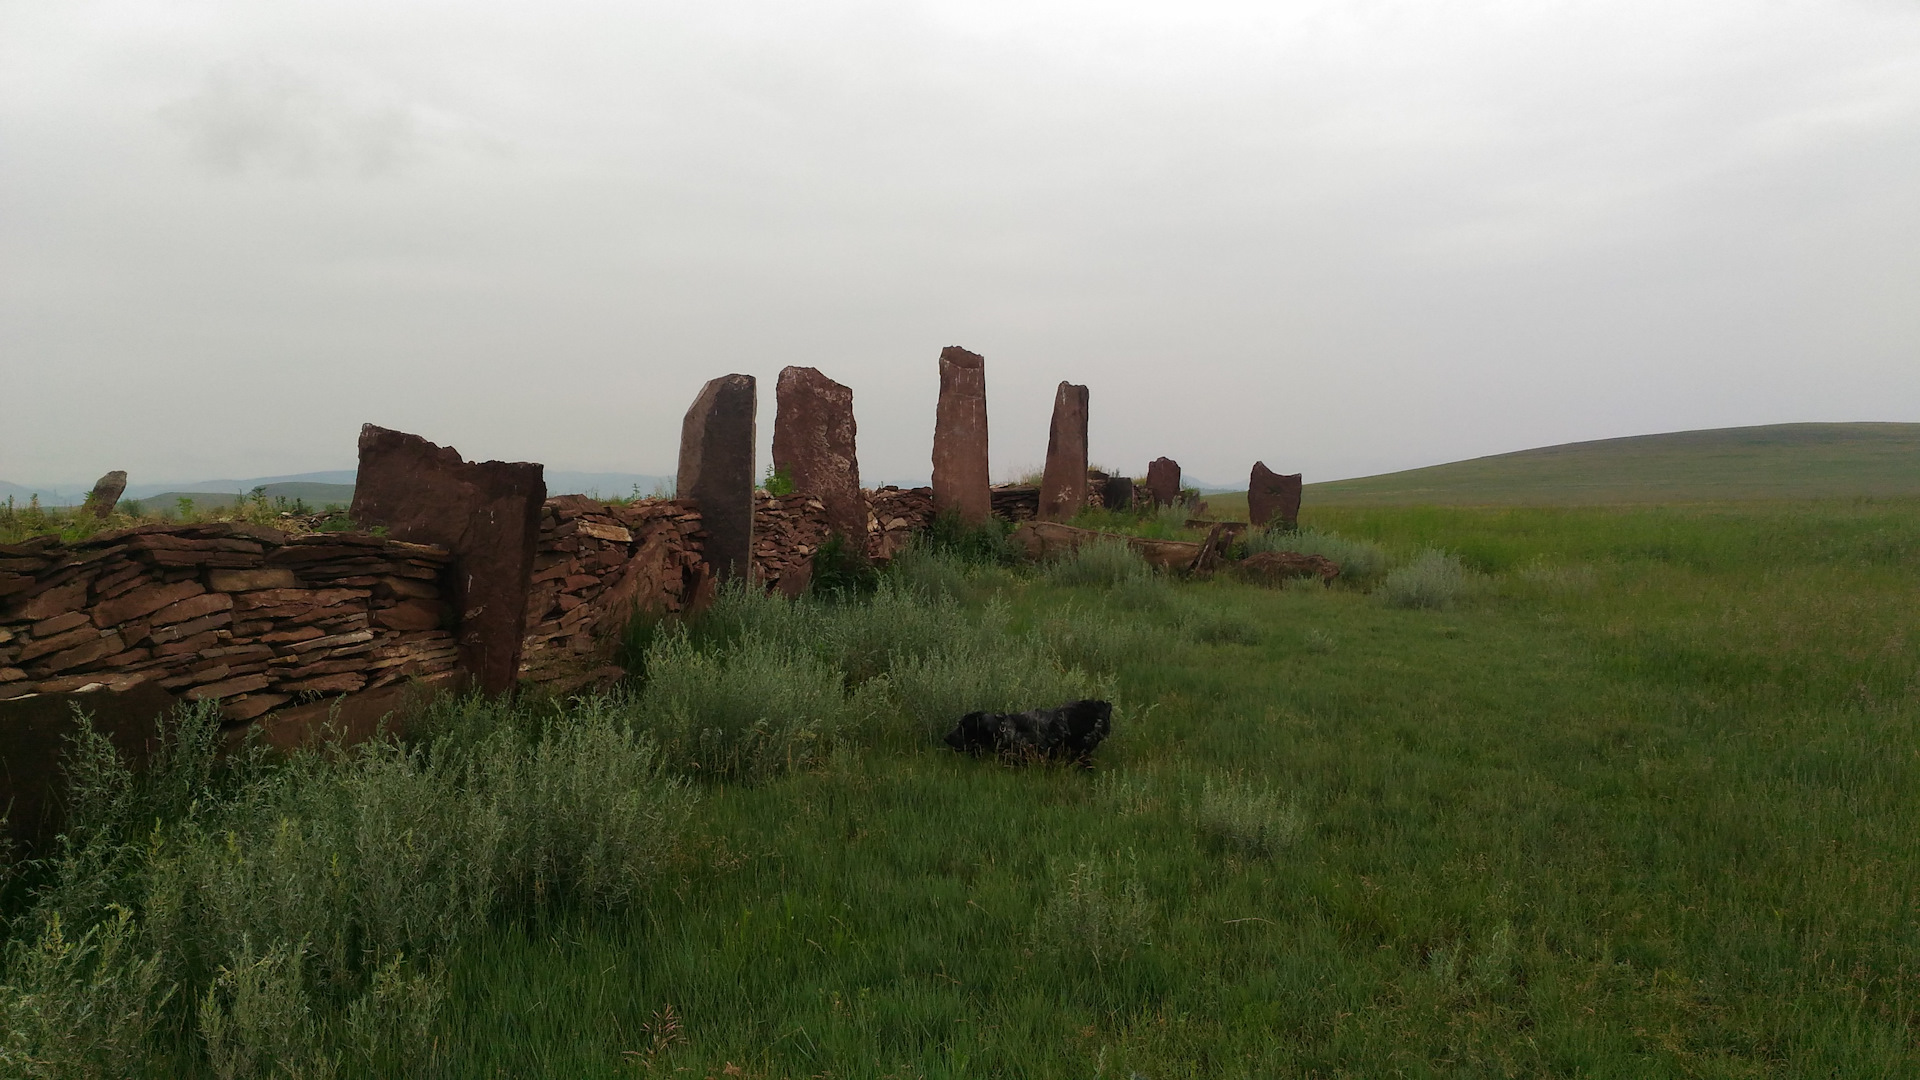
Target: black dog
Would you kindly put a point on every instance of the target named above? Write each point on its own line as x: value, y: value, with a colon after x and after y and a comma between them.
x: 1068, y: 733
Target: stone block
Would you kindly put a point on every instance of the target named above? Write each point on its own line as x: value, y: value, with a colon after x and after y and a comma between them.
x: 960, y: 472
x: 814, y: 442
x: 1273, y: 499
x: 106, y: 494
x: 486, y: 514
x: 716, y: 470
x: 1063, y: 487
x: 1163, y: 481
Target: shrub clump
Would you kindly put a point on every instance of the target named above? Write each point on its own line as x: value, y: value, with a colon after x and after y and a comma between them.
x: 1094, y: 915
x: 1254, y: 822
x: 1434, y: 579
x: 1359, y: 560
x: 1104, y: 562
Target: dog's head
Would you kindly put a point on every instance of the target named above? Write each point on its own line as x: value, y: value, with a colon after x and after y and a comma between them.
x: 973, y: 733
x: 1088, y: 722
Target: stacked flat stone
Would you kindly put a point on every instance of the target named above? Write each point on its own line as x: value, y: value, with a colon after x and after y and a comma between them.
x: 894, y: 516
x: 787, y: 532
x: 1016, y: 502
x: 595, y: 565
x: 240, y: 614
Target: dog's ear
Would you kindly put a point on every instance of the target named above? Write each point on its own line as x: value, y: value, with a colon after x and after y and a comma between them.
x: 970, y: 733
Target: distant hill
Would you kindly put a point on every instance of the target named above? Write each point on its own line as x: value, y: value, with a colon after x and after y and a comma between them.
x: 316, y: 496
x: 1776, y: 461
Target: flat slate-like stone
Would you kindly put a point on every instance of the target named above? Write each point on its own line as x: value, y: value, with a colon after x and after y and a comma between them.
x: 716, y: 470
x: 1273, y: 498
x: 960, y: 472
x: 814, y: 443
x: 1063, y: 487
x: 486, y: 514
x: 1163, y: 481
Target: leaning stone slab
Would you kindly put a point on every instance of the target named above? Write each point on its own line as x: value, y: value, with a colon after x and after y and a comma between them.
x: 1063, y: 487
x: 814, y: 443
x: 1273, y: 498
x: 960, y: 473
x: 1163, y: 481
x: 716, y: 470
x: 106, y: 494
x: 486, y: 514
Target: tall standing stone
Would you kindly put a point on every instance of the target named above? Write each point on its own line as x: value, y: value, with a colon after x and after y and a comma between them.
x: 716, y: 471
x: 486, y: 514
x: 1063, y: 487
x: 1273, y: 498
x: 106, y: 493
x: 960, y: 479
x: 814, y: 443
x: 1163, y: 481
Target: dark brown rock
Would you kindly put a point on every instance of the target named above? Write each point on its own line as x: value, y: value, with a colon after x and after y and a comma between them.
x: 716, y: 470
x: 1163, y: 481
x: 1063, y: 487
x: 143, y: 601
x: 814, y: 444
x: 1117, y: 493
x: 1273, y: 498
x: 960, y: 472
x: 249, y: 580
x: 106, y: 494
x: 1273, y: 567
x: 486, y: 514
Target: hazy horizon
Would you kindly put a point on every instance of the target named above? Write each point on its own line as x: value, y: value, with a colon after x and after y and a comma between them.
x: 1343, y: 239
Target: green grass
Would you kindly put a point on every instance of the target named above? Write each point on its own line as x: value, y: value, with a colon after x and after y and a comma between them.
x: 1642, y: 802
x: 1779, y: 461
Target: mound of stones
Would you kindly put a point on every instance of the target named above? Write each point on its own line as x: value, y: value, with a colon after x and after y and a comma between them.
x: 894, y: 515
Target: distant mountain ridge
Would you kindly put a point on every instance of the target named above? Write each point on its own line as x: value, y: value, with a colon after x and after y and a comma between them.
x: 606, y: 485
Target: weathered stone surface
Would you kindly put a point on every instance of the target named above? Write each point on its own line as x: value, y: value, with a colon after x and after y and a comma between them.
x: 1163, y: 481
x: 716, y: 470
x: 1063, y: 487
x: 814, y: 438
x: 412, y: 615
x: 57, y: 600
x: 486, y: 514
x: 1273, y: 498
x: 193, y: 607
x: 106, y: 494
x: 143, y: 601
x: 1273, y: 567
x: 249, y: 580
x: 960, y: 472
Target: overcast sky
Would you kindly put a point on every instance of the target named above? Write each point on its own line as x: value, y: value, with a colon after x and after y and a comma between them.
x: 1342, y: 236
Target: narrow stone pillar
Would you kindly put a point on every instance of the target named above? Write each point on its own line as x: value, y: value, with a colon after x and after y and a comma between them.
x: 814, y: 443
x: 716, y: 471
x: 1163, y: 481
x: 960, y: 479
x: 1273, y: 498
x: 487, y: 514
x: 1063, y: 487
x: 106, y: 494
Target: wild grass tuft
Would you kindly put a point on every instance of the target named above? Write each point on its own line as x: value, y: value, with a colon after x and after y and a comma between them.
x: 1251, y: 821
x: 1434, y: 579
x: 1095, y: 915
x: 1104, y: 562
x: 1360, y: 561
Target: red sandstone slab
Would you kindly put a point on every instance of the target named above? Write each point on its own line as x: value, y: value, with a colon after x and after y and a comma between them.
x: 143, y: 601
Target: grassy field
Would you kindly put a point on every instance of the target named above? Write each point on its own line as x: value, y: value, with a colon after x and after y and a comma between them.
x: 1780, y: 461
x: 1638, y: 795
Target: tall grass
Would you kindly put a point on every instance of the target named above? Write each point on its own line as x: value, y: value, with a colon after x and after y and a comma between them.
x: 1360, y: 561
x: 283, y: 915
x: 1104, y: 562
x: 1434, y: 579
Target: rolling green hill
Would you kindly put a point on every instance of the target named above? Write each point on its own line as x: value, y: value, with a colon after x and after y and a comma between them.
x: 1776, y: 461
x: 314, y: 495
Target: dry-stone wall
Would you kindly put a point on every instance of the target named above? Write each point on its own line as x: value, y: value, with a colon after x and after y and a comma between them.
x: 894, y: 515
x: 596, y: 564
x: 245, y: 615
x: 787, y: 531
